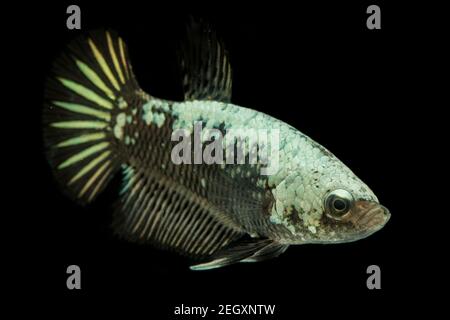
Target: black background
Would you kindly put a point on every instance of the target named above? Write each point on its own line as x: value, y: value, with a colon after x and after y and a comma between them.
x: 314, y: 66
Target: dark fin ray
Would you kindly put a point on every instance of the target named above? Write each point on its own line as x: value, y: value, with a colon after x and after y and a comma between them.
x: 205, y: 65
x: 235, y: 253
x: 91, y: 83
x: 157, y: 211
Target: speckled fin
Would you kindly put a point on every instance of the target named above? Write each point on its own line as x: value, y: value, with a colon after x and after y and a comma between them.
x: 90, y: 84
x: 243, y: 251
x: 205, y: 65
x: 158, y: 211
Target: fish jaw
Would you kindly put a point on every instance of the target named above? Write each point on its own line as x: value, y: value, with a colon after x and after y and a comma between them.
x: 366, y: 218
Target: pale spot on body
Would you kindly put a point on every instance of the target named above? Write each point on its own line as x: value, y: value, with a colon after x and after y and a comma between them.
x: 120, y: 123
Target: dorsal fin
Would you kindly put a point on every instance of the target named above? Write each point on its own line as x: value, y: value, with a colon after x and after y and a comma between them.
x: 205, y: 65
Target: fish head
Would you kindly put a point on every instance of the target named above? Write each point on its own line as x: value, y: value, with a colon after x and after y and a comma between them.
x: 349, y: 216
x: 327, y: 203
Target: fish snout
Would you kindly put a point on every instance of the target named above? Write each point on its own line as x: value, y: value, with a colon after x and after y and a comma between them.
x: 369, y: 216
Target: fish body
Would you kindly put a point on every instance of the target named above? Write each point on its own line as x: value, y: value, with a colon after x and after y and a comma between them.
x: 182, y: 188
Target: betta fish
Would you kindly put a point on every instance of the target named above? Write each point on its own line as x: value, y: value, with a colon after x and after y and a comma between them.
x: 98, y: 123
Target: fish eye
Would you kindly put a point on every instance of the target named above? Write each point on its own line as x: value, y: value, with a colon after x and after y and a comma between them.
x: 338, y: 203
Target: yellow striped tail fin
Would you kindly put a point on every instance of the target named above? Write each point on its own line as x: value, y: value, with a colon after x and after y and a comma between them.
x: 90, y: 85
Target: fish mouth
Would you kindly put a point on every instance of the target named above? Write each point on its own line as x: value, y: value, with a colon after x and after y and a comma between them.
x: 368, y: 217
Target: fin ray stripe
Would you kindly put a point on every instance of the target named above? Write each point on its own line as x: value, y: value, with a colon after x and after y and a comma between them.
x: 81, y: 139
x: 78, y: 108
x: 173, y: 221
x: 102, y: 62
x: 100, y: 183
x: 89, y: 166
x: 122, y: 56
x: 86, y: 93
x: 83, y: 154
x: 79, y: 124
x: 94, y: 78
x: 114, y: 57
x: 93, y: 178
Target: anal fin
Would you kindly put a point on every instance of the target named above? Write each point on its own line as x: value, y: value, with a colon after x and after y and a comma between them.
x: 158, y: 211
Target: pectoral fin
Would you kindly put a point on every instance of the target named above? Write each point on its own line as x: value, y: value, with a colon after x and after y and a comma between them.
x: 271, y: 251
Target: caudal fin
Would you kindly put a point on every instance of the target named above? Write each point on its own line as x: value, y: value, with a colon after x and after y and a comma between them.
x: 92, y: 85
